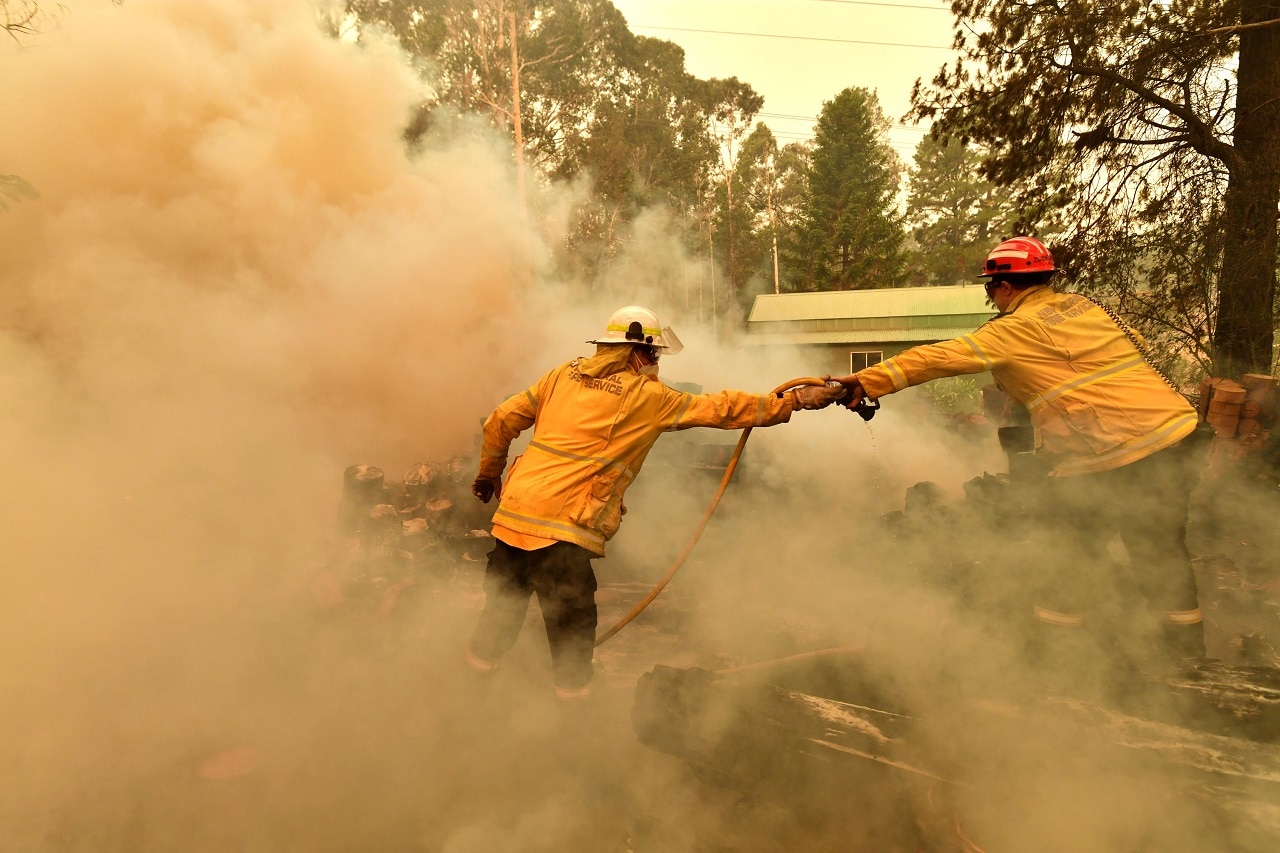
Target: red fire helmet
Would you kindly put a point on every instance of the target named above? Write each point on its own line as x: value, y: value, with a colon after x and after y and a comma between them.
x: 1018, y: 255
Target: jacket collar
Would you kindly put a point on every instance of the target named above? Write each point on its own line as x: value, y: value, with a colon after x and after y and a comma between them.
x: 1031, y: 294
x: 608, y: 360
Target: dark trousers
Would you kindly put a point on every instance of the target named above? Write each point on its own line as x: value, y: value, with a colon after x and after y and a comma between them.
x: 562, y: 577
x: 1144, y: 502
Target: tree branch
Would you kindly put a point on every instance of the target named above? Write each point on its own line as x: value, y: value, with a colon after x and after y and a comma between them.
x: 1209, y: 144
x: 24, y: 23
x: 1167, y: 140
x: 1235, y: 28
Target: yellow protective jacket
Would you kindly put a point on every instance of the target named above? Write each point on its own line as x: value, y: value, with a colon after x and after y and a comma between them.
x: 594, y: 421
x: 1095, y: 402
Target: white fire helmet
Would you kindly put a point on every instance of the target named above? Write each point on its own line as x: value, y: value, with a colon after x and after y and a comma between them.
x: 636, y: 325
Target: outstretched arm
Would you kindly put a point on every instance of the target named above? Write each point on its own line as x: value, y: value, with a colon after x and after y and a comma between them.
x: 740, y: 409
x: 514, y: 416
x: 971, y: 353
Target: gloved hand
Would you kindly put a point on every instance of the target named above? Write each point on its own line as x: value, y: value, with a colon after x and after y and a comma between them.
x: 816, y: 396
x: 854, y: 393
x: 485, y: 488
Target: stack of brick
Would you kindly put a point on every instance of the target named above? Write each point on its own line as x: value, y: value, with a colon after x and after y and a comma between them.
x: 1258, y: 413
x: 1242, y: 414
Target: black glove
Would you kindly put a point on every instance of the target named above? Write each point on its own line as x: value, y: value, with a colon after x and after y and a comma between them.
x: 485, y: 488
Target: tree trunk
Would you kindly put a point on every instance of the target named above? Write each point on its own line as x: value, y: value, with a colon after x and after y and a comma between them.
x: 715, y: 308
x: 731, y: 273
x: 777, y: 281
x: 1243, y: 337
x: 515, y: 110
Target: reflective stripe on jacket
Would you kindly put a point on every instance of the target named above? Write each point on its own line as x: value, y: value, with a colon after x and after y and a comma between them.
x: 591, y: 436
x: 1095, y: 402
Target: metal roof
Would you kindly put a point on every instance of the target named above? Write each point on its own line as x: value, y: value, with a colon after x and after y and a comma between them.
x: 882, y: 302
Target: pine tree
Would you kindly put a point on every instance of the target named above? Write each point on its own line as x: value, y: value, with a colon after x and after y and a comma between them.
x: 850, y: 233
x: 955, y: 213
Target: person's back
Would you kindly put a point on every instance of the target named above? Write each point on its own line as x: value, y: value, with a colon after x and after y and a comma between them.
x: 1095, y: 401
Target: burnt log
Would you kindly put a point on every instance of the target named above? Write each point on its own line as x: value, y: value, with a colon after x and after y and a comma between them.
x: 1238, y: 701
x: 1229, y: 717
x: 701, y: 716
x: 826, y: 770
x: 754, y: 735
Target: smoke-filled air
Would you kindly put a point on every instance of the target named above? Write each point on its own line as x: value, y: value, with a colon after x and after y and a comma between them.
x: 231, y: 277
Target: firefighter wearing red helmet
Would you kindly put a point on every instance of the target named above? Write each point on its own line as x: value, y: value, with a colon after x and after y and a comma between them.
x: 1115, y: 436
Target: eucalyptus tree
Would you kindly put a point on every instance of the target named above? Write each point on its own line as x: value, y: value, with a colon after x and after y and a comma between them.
x: 584, y: 99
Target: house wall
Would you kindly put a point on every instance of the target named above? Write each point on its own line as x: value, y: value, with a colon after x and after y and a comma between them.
x: 835, y: 358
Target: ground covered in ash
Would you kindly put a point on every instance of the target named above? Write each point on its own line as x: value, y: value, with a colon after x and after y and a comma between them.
x: 360, y: 728
x: 355, y: 730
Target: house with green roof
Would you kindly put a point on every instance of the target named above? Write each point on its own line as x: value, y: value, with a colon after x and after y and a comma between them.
x: 847, y: 330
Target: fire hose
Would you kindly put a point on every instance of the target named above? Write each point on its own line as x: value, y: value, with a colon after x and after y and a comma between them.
x: 864, y: 408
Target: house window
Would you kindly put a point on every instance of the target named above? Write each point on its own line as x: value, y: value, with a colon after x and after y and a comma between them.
x: 863, y: 360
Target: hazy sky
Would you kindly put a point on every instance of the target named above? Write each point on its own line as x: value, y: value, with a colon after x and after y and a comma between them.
x: 818, y: 58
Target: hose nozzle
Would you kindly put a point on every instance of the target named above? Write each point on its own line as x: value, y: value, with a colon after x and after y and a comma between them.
x: 865, y: 408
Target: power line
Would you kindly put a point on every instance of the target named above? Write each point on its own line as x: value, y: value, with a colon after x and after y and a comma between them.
x: 788, y: 115
x: 814, y: 119
x: 886, y: 5
x: 905, y: 146
x: 792, y: 38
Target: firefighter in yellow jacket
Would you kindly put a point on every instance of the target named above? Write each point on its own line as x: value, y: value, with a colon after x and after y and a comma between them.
x: 594, y: 421
x: 1113, y: 432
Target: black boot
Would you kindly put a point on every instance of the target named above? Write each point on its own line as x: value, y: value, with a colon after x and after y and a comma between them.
x: 1184, y: 642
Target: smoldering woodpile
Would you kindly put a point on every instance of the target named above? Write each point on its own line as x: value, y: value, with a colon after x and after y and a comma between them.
x: 391, y: 537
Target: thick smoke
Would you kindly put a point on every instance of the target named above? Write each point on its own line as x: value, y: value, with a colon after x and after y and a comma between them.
x: 235, y: 282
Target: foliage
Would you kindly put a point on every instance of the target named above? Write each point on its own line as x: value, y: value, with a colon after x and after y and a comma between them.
x: 595, y: 98
x: 953, y: 395
x: 1164, y: 279
x: 956, y: 215
x: 849, y: 230
x: 1123, y: 115
x: 748, y: 214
